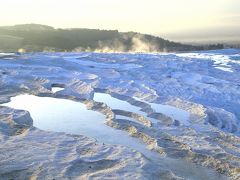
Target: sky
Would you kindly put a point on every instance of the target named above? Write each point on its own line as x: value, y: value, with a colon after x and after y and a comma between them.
x: 170, y: 18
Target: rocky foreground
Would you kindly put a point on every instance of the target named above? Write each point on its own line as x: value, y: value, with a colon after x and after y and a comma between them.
x: 205, y: 84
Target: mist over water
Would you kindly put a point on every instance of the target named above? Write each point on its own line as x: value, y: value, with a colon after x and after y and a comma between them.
x: 127, y: 43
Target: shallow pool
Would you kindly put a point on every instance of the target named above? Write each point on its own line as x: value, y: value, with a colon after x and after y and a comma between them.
x: 115, y: 103
x: 173, y: 112
x: 61, y: 115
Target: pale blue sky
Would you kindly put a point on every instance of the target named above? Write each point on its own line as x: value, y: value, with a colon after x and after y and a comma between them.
x: 147, y: 16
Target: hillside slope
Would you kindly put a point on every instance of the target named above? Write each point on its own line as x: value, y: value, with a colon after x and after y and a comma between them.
x: 35, y: 37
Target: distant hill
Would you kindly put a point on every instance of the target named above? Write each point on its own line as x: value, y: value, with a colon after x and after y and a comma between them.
x: 36, y: 37
x: 28, y: 27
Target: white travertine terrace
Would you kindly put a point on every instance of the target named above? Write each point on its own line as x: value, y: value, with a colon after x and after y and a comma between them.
x: 202, y: 144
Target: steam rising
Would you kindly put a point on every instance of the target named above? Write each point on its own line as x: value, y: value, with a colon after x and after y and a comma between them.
x: 130, y: 42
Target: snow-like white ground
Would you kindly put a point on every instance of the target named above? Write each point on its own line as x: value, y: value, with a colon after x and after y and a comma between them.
x: 184, y: 107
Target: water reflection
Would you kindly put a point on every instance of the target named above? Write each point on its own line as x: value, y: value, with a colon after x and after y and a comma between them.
x: 61, y: 115
x: 114, y: 103
x: 173, y: 112
x: 57, y: 89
